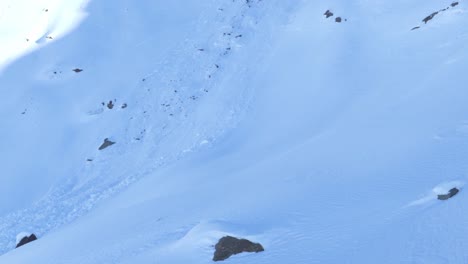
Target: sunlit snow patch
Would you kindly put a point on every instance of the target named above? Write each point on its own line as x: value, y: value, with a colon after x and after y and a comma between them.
x: 21, y: 236
x: 26, y: 25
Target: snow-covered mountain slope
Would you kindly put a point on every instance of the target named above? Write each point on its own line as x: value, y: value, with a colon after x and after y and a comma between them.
x: 327, y: 142
x: 28, y: 25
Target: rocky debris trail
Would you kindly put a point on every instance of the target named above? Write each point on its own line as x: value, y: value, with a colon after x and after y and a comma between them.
x: 164, y: 113
x: 433, y: 14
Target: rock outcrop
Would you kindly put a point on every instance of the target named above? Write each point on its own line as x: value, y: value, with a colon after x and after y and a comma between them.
x: 449, y: 195
x: 107, y: 143
x: 26, y: 239
x: 228, y: 246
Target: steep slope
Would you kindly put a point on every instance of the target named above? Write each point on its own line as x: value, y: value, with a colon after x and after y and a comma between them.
x: 327, y: 142
x: 77, y: 92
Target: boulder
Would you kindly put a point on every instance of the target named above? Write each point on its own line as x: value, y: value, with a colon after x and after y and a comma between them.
x: 328, y: 14
x: 107, y: 143
x: 429, y: 17
x: 228, y: 246
x: 25, y: 240
x: 449, y: 195
x: 110, y: 105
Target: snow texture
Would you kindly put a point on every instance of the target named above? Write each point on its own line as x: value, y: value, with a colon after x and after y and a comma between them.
x: 325, y: 142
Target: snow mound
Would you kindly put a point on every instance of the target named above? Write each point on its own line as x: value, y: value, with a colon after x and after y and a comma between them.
x: 445, y: 187
x: 21, y: 236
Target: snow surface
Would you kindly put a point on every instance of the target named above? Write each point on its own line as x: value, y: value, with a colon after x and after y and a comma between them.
x: 22, y: 235
x: 326, y: 142
x: 27, y: 25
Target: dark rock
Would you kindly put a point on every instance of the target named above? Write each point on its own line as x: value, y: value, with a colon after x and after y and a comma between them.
x: 107, y: 143
x: 228, y: 246
x: 77, y: 70
x: 124, y: 106
x: 416, y: 28
x: 429, y: 17
x: 328, y: 14
x: 25, y: 240
x: 454, y: 4
x: 449, y: 195
x: 338, y: 20
x: 110, y: 105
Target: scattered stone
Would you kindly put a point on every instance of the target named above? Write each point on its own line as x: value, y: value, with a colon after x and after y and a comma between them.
x: 429, y: 17
x: 328, y: 14
x: 449, y: 195
x: 338, y: 20
x: 124, y: 106
x: 77, y: 70
x: 228, y: 246
x: 107, y: 143
x: 25, y: 240
x: 110, y: 105
x: 454, y: 4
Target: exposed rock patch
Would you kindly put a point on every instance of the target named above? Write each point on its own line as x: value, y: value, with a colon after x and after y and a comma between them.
x: 228, y: 246
x: 449, y: 195
x: 107, y: 143
x: 110, y: 105
x: 328, y: 14
x: 25, y: 240
x: 431, y: 16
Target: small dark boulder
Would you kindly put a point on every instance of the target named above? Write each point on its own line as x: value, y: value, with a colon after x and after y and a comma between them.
x: 449, y: 195
x: 106, y: 143
x: 338, y: 20
x: 77, y: 70
x: 454, y: 4
x: 25, y: 240
x: 228, y: 246
x: 429, y: 17
x: 328, y: 14
x: 110, y: 105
